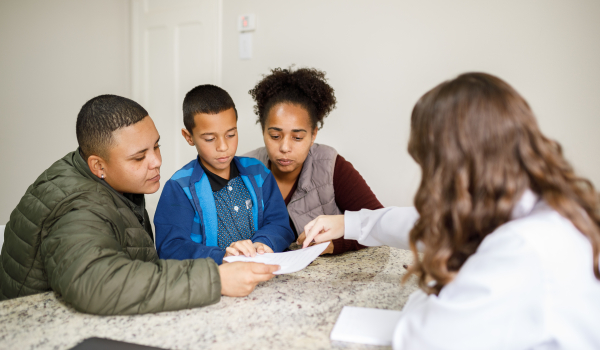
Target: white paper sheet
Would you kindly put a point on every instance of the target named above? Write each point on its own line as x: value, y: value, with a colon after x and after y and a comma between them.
x: 365, y: 325
x: 289, y: 261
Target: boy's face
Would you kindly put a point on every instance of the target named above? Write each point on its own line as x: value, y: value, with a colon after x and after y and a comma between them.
x: 133, y: 164
x: 216, y: 140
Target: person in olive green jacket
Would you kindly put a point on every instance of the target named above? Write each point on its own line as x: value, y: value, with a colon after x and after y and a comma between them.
x: 82, y: 229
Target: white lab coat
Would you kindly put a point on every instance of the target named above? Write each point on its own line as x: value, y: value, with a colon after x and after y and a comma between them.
x: 529, y: 285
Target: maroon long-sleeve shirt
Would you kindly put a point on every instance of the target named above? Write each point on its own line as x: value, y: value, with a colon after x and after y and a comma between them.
x: 351, y: 193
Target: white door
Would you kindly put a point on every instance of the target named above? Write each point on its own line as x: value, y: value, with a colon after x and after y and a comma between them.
x: 175, y: 47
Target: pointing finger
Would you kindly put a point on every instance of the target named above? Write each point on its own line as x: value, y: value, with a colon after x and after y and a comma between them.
x: 301, y: 238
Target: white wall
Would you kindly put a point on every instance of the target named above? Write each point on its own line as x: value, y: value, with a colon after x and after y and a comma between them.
x: 381, y: 56
x: 54, y: 56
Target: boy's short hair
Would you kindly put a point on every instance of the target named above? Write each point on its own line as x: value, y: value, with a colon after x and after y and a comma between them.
x: 100, y: 117
x: 206, y: 99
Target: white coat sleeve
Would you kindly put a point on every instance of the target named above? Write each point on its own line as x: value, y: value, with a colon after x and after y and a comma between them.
x: 494, y: 302
x: 388, y: 226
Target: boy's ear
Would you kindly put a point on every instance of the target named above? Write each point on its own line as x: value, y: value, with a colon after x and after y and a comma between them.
x: 187, y: 136
x: 97, y: 165
x: 314, y: 135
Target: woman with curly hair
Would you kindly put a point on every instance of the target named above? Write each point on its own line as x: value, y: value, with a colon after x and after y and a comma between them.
x: 313, y: 178
x: 509, y: 234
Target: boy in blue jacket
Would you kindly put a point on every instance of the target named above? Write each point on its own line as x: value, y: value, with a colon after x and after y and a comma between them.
x: 219, y: 204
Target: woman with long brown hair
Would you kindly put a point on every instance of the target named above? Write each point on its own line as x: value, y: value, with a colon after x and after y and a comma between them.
x: 509, y: 234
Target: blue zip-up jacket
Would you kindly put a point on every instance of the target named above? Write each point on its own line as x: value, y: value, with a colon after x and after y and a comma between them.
x: 186, y: 216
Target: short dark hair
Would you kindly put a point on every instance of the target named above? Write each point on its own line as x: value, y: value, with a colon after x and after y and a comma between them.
x: 306, y: 87
x: 206, y: 99
x: 100, y: 117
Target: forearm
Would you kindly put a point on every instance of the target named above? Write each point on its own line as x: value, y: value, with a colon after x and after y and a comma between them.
x: 388, y: 226
x: 178, y: 231
x: 276, y: 237
x: 98, y: 282
x: 89, y: 268
x: 138, y: 287
x: 177, y: 246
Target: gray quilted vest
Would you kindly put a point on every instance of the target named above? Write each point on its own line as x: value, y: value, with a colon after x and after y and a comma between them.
x: 315, y: 195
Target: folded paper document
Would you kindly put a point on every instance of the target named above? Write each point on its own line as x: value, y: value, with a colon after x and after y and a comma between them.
x: 289, y: 261
x: 366, y: 325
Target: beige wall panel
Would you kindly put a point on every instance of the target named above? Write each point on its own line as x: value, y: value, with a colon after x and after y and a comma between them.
x: 381, y: 56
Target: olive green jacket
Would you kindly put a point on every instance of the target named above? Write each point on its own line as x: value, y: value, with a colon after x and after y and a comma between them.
x: 74, y: 234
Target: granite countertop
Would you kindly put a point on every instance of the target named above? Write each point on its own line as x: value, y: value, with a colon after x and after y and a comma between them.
x: 294, y: 311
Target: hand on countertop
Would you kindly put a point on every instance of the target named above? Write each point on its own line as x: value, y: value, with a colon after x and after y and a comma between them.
x: 239, y: 279
x: 247, y: 248
x: 262, y: 248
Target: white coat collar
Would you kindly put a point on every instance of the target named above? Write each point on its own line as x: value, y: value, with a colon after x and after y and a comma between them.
x: 525, y: 205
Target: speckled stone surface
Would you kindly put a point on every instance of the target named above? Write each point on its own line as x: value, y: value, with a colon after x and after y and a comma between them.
x: 294, y: 311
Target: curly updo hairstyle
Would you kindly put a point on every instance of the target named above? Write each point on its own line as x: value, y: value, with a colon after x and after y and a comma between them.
x: 306, y: 87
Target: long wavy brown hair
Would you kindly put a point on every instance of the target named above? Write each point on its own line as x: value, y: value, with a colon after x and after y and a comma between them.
x: 479, y: 148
